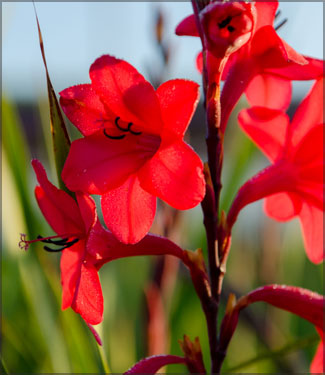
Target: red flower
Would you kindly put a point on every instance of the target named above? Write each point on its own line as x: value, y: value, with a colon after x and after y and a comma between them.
x: 263, y: 67
x: 299, y: 301
x: 85, y: 246
x: 133, y: 150
x: 294, y: 183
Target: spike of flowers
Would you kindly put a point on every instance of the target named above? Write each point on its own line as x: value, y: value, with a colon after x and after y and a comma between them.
x: 293, y: 184
x: 133, y: 150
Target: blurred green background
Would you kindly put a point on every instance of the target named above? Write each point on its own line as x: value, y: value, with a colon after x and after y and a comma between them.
x: 37, y: 337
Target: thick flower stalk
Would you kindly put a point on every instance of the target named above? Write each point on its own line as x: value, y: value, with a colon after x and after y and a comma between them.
x: 133, y: 149
x: 293, y: 184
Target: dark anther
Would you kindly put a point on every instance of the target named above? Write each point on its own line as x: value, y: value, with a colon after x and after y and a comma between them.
x: 54, y: 242
x: 128, y: 129
x: 225, y: 22
x: 231, y: 28
x: 64, y: 243
x: 112, y: 136
x: 132, y: 131
x: 120, y: 127
x: 54, y: 250
x: 277, y: 14
x: 281, y: 24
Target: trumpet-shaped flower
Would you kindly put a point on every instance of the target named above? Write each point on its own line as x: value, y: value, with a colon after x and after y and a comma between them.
x: 85, y: 245
x: 262, y: 67
x: 133, y: 150
x: 293, y: 184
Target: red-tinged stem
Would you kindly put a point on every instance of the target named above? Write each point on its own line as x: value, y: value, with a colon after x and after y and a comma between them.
x: 211, y: 84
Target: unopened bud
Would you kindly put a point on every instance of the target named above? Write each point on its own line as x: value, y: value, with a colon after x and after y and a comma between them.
x: 227, y: 26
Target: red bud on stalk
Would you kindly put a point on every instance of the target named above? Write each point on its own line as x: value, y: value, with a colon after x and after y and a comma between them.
x: 227, y: 26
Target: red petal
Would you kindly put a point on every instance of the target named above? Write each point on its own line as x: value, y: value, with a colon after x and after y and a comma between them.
x: 87, y: 209
x: 283, y: 206
x: 71, y: 260
x: 151, y: 365
x: 175, y: 174
x: 292, y: 71
x: 187, y: 27
x: 267, y: 128
x: 80, y: 284
x: 129, y: 211
x: 199, y: 62
x: 96, y: 164
x: 302, y: 302
x: 240, y: 72
x: 59, y: 209
x: 83, y: 108
x: 99, y: 242
x: 265, y: 13
x: 88, y: 298
x: 309, y: 160
x: 126, y: 93
x: 309, y: 113
x: 178, y: 100
x: 276, y: 52
x: 317, y: 365
x: 312, y: 219
x: 270, y: 91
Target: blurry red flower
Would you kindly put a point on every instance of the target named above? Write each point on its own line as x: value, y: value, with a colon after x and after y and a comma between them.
x: 294, y: 182
x: 133, y: 150
x: 263, y: 67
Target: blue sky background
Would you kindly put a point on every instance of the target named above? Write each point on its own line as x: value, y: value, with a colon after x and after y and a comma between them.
x: 75, y: 34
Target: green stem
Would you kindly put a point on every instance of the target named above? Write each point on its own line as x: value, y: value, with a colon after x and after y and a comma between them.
x: 293, y: 346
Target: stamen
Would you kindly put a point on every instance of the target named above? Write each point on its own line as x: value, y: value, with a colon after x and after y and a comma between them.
x: 55, y: 242
x: 112, y: 136
x: 24, y: 244
x: 68, y: 244
x: 281, y: 24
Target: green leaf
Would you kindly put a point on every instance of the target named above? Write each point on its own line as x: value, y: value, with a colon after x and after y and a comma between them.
x: 60, y: 136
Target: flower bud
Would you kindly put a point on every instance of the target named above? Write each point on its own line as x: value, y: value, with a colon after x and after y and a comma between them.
x: 227, y: 26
